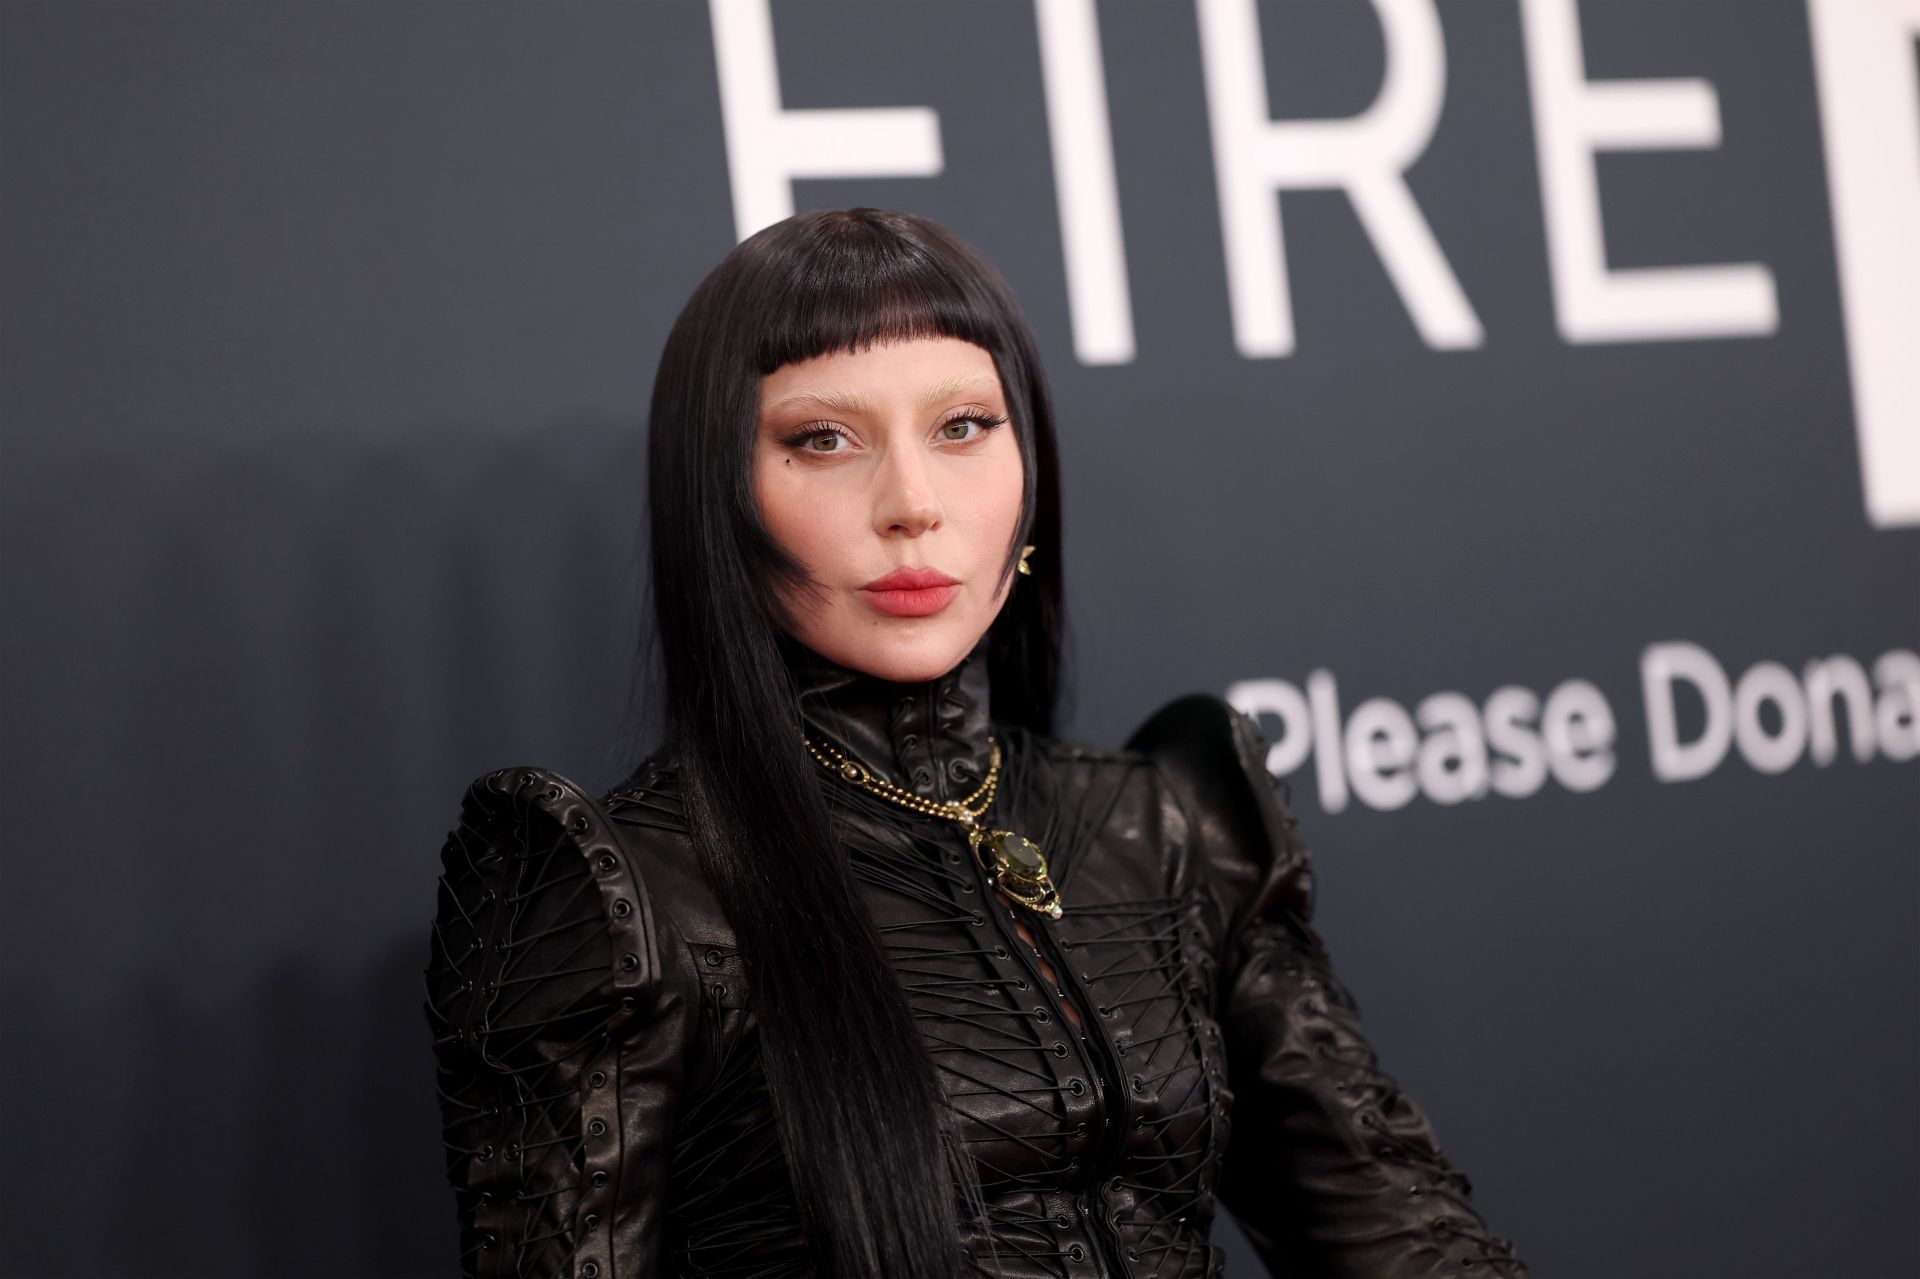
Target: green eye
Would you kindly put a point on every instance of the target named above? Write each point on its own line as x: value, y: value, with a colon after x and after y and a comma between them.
x: 983, y: 421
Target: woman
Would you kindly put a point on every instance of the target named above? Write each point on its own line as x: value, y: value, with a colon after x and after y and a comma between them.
x: 864, y: 972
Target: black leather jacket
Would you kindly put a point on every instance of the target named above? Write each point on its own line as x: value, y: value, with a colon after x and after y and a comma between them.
x: 605, y: 1113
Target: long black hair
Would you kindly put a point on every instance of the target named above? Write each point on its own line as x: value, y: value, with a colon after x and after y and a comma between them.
x: 860, y: 1110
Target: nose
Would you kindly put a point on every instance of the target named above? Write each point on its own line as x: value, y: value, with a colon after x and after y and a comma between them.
x: 905, y: 500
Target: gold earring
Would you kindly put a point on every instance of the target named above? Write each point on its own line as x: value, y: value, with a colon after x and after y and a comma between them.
x: 1022, y: 566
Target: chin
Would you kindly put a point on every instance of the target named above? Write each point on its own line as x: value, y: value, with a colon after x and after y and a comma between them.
x: 903, y: 654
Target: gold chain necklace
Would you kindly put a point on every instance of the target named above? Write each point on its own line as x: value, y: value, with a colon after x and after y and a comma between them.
x: 1014, y: 862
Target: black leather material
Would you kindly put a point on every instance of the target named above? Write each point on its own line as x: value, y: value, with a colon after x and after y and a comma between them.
x: 605, y: 1113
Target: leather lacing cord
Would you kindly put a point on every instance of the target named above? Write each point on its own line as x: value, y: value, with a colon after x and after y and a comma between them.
x: 1006, y: 1049
x: 946, y: 986
x: 1020, y: 1232
x: 536, y: 1121
x: 1376, y: 1088
x: 1133, y: 928
x: 551, y: 1112
x: 724, y: 1138
x: 1495, y: 1251
x: 1420, y: 1157
x: 1160, y: 928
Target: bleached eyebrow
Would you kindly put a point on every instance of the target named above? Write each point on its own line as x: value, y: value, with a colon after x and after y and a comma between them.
x: 841, y: 402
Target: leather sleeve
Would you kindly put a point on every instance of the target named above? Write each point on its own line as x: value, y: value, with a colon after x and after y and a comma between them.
x: 561, y: 1025
x: 1332, y: 1170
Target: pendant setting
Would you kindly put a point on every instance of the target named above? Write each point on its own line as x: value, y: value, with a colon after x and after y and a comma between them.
x: 1017, y: 867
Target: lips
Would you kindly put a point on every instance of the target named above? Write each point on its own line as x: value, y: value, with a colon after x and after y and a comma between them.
x: 911, y: 579
x: 912, y: 592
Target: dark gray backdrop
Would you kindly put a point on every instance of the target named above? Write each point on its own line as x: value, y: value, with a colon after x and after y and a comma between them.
x: 327, y: 334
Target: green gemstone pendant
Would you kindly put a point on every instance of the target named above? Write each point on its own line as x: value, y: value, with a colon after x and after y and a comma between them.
x: 1018, y: 868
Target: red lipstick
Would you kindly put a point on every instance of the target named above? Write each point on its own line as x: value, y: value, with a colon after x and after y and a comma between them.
x: 912, y: 592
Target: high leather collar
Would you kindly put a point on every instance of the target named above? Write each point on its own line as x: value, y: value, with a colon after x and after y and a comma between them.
x: 928, y: 737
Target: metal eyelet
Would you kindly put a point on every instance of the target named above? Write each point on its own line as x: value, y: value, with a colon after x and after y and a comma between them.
x: 714, y: 957
x: 1077, y: 1253
x: 597, y: 1079
x: 629, y: 961
x: 608, y: 861
x: 622, y: 907
x: 1077, y: 1087
x: 598, y: 1127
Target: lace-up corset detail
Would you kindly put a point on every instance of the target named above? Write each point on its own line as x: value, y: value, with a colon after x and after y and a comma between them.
x: 600, y: 1075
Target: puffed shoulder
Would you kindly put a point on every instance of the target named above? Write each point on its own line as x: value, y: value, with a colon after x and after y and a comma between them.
x: 538, y: 893
x: 1245, y: 826
x: 549, y: 975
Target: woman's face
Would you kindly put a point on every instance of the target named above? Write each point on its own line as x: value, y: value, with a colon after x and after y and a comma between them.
x: 896, y: 457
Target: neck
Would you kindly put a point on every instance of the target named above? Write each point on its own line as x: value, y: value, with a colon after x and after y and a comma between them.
x: 927, y: 736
